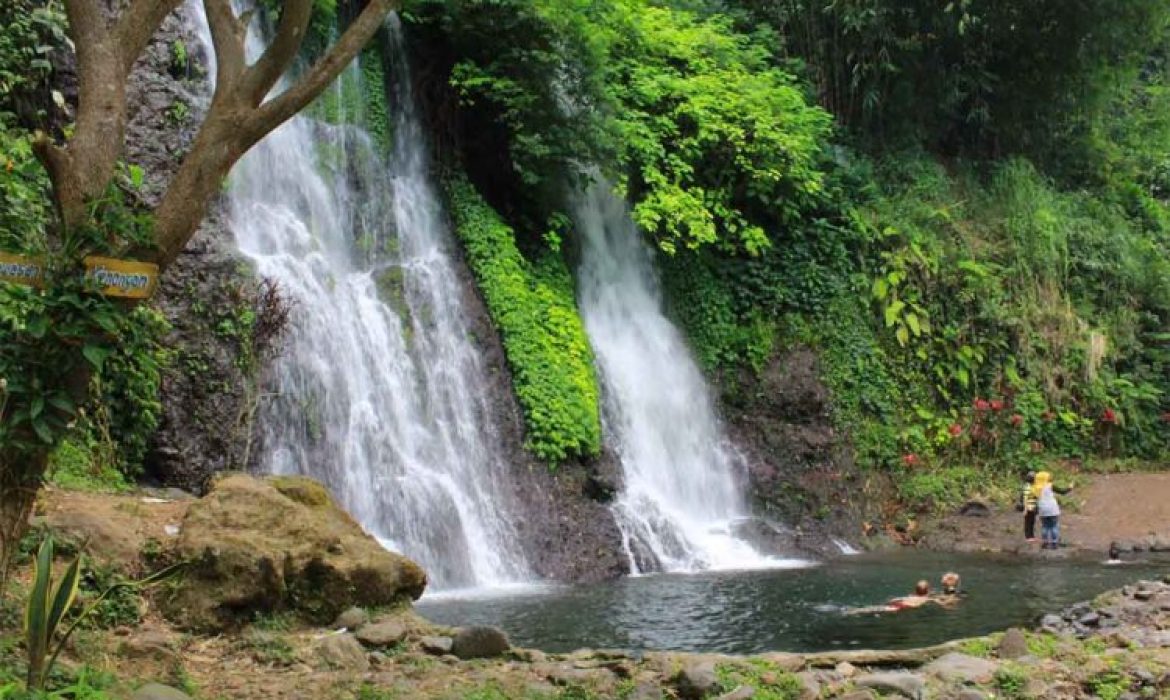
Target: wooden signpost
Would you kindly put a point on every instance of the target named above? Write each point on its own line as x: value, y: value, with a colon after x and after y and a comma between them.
x: 123, y: 278
x: 21, y: 269
x: 127, y: 279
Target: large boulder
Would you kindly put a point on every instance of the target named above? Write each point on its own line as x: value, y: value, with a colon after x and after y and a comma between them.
x: 276, y: 544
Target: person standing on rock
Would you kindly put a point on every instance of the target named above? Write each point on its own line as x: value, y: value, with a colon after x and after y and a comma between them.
x: 1028, y: 505
x: 1048, y: 509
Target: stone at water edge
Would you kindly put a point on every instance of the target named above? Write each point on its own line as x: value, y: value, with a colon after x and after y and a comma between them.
x: 696, y: 680
x: 438, y: 645
x: 810, y: 687
x: 479, y: 643
x: 846, y: 669
x: 905, y: 684
x: 158, y: 691
x: 342, y: 652
x: 1013, y: 644
x: 281, y: 543
x: 382, y: 633
x: 351, y: 619
x: 962, y: 667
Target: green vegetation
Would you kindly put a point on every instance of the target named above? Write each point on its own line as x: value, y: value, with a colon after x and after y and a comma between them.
x: 768, y: 681
x: 978, y: 251
x: 532, y: 305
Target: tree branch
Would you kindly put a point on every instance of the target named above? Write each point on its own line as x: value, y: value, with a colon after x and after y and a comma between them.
x: 294, y: 22
x: 87, y: 26
x: 137, y: 25
x: 234, y: 124
x: 323, y: 72
x: 227, y: 37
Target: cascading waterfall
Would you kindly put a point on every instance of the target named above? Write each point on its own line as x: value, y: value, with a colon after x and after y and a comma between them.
x: 681, y: 500
x: 381, y: 394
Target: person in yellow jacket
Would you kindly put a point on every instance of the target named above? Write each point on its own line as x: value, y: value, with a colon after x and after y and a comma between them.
x: 1028, y: 505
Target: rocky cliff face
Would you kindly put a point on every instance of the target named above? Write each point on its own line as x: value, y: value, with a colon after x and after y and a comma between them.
x: 209, y: 386
x: 800, y: 469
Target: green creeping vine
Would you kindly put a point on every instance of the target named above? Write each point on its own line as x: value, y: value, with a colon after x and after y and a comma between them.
x: 533, y: 307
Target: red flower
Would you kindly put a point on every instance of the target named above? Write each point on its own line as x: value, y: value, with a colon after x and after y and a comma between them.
x: 1109, y: 416
x: 981, y: 405
x: 910, y: 459
x: 955, y: 430
x: 996, y: 405
x: 1017, y: 420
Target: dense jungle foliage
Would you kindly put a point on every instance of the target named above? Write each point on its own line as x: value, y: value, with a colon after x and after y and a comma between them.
x: 961, y: 205
x: 108, y: 440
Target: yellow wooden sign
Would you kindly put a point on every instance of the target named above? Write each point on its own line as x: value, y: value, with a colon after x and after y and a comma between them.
x: 122, y: 278
x: 21, y: 269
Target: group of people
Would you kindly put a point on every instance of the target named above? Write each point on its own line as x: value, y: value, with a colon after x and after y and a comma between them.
x: 949, y: 595
x: 1038, y: 500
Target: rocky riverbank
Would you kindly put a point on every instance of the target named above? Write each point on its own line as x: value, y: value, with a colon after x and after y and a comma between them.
x: 285, y: 597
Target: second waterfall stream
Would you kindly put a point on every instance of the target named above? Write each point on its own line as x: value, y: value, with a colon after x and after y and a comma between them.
x: 681, y: 501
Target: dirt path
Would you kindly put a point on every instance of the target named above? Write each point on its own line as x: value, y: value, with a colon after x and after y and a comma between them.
x: 1133, y: 509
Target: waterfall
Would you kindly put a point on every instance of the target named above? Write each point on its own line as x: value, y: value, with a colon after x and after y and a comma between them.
x: 681, y: 500
x: 379, y: 391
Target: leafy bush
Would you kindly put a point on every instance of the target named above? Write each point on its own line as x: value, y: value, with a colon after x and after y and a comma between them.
x: 533, y: 307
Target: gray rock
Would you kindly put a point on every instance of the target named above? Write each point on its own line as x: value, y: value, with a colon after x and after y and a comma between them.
x: 846, y: 669
x: 352, y: 618
x: 954, y: 667
x: 1089, y: 619
x: 479, y: 643
x: 438, y: 645
x: 696, y: 680
x: 857, y: 695
x: 907, y: 685
x: 148, y: 645
x: 1051, y: 622
x: 382, y: 633
x: 971, y: 695
x: 157, y: 691
x: 810, y: 685
x: 342, y: 652
x: 1013, y: 645
x: 743, y: 692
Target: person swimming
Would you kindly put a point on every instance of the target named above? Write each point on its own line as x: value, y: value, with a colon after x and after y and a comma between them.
x: 950, y: 592
x: 920, y: 597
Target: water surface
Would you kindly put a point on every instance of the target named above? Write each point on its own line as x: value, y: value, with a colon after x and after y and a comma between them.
x: 790, y: 610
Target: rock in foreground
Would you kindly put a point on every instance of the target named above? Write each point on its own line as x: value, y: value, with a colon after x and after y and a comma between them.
x: 280, y: 544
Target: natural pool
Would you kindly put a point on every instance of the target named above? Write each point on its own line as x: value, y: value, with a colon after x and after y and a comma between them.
x: 792, y: 609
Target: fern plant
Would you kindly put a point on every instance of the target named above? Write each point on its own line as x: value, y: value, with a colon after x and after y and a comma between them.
x: 48, y: 604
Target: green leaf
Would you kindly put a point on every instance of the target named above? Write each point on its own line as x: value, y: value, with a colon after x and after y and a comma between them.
x: 903, y: 335
x: 65, y: 595
x: 36, y: 615
x: 96, y: 355
x: 912, y: 322
x: 41, y: 428
x: 893, y: 310
x: 136, y: 176
x: 880, y: 289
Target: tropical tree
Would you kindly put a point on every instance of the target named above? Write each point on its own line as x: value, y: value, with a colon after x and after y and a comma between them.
x: 54, y: 338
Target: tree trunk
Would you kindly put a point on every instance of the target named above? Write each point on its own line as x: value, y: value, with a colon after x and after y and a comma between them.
x: 20, y: 478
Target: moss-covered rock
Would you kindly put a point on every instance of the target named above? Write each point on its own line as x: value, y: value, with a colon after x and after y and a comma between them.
x: 277, y: 544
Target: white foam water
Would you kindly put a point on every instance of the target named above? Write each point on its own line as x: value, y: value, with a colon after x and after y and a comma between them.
x: 681, y: 499
x: 380, y: 392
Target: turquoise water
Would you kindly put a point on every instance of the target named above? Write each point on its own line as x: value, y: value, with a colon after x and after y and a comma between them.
x: 791, y: 610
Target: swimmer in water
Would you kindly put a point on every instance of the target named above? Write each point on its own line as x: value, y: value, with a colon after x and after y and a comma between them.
x: 920, y: 597
x: 950, y: 590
